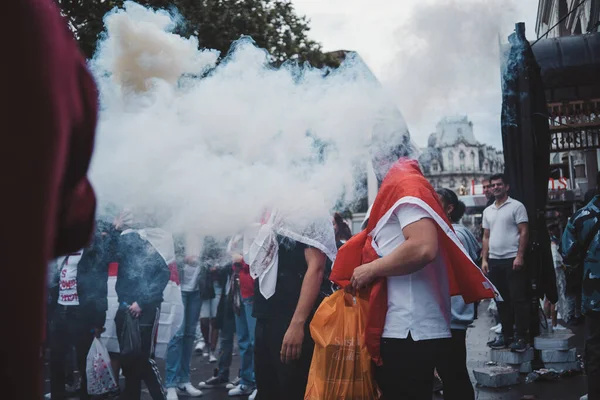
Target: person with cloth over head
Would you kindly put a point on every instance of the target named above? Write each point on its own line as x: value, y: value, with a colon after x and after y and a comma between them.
x: 287, y: 260
x: 410, y: 261
x: 142, y: 277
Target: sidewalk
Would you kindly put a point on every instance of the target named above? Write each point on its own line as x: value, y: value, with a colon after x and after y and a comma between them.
x: 478, y: 355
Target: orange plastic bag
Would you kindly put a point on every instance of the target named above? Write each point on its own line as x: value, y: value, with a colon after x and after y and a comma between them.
x: 341, y: 367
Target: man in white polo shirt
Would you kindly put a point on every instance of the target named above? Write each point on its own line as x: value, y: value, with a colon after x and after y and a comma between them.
x: 505, y: 240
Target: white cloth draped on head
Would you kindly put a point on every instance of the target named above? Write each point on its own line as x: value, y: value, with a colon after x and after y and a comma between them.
x: 261, y: 248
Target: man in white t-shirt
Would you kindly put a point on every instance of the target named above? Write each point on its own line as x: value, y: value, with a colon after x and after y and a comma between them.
x: 505, y: 239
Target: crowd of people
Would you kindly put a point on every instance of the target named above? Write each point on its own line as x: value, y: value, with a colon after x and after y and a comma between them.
x: 419, y: 265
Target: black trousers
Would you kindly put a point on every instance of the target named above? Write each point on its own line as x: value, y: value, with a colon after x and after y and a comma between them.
x: 407, y: 370
x: 592, y: 354
x: 142, y: 368
x: 514, y: 287
x: 451, y: 366
x: 68, y: 328
x: 274, y: 379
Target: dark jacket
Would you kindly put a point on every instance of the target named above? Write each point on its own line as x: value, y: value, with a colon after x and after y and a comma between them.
x: 584, y: 229
x: 92, y: 278
x: 143, y: 273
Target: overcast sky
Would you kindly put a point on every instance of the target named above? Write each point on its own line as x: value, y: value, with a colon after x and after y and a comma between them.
x: 435, y: 57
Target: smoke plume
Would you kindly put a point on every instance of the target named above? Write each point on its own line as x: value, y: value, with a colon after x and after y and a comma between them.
x: 448, y: 62
x: 209, y: 146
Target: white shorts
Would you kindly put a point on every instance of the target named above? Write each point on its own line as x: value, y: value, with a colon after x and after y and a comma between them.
x: 209, y: 307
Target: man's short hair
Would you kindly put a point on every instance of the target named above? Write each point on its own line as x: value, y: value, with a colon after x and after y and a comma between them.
x: 497, y: 177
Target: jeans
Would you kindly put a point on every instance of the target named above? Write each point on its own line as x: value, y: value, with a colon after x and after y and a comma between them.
x: 179, y: 352
x: 245, y: 325
x: 274, y: 379
x: 407, y: 370
x: 225, y: 347
x: 514, y: 287
x: 592, y: 353
x: 452, y: 368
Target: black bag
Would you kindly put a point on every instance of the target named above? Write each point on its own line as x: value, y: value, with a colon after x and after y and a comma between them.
x: 131, y: 339
x: 207, y: 289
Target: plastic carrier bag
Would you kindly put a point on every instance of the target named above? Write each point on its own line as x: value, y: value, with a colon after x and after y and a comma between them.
x: 100, y: 377
x: 341, y: 366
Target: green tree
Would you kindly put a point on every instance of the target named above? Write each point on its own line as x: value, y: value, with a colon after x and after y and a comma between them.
x: 273, y: 24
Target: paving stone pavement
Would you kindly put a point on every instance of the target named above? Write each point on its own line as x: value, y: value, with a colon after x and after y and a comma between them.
x: 477, y: 356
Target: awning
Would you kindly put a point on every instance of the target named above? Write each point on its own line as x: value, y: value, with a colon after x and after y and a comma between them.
x: 570, y: 67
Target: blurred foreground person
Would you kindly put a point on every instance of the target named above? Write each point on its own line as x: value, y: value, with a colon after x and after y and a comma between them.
x: 581, y: 246
x: 48, y: 110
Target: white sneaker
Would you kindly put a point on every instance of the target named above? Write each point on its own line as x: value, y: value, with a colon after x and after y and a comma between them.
x: 200, y: 346
x: 172, y: 394
x: 585, y: 397
x: 48, y: 396
x: 212, y: 358
x: 253, y: 395
x: 241, y: 390
x: 233, y: 383
x: 559, y: 327
x: 493, y: 328
x: 187, y: 389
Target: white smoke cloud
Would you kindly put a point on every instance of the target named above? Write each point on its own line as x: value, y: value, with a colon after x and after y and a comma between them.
x: 213, y: 152
x: 448, y: 62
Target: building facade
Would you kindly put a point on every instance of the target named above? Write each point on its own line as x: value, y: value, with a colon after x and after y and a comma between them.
x: 454, y: 159
x: 578, y: 20
x: 567, y: 51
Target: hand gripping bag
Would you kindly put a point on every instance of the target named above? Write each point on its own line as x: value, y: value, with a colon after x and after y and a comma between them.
x: 341, y: 367
x: 99, y: 372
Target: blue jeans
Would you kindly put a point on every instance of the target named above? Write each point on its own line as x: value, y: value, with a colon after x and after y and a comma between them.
x: 225, y: 347
x: 179, y: 351
x: 245, y: 325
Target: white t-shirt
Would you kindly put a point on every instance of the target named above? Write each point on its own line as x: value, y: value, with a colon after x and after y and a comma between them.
x: 418, y: 303
x: 67, y: 289
x: 503, y: 223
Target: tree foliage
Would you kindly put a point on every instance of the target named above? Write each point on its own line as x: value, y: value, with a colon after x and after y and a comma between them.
x: 273, y: 24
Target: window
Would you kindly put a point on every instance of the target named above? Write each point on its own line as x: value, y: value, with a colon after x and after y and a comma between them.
x: 473, y: 160
x: 461, y: 155
x: 434, y: 167
x: 450, y: 161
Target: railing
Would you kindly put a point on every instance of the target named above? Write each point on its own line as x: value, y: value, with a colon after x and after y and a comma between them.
x: 574, y: 125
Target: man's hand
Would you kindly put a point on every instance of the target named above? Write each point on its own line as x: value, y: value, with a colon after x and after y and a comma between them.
x: 292, y: 343
x: 135, y: 309
x: 485, y: 267
x: 518, y: 263
x: 363, y: 276
x: 98, y: 332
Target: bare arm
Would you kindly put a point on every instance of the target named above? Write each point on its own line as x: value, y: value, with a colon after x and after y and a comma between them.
x: 523, y: 242
x: 292, y: 341
x: 310, y: 285
x: 523, y: 239
x: 419, y: 249
x: 485, y: 251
